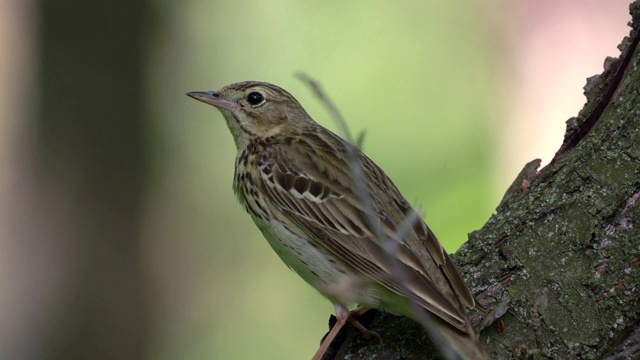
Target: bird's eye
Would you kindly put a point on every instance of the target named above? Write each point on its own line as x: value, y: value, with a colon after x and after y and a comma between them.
x: 255, y: 98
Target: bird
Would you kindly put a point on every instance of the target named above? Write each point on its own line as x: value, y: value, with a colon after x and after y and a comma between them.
x: 296, y: 180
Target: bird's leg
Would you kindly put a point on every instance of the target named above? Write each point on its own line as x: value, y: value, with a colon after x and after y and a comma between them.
x: 342, y: 316
x: 353, y: 319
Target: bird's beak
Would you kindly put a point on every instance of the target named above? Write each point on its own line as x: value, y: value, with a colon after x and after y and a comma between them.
x: 213, y: 98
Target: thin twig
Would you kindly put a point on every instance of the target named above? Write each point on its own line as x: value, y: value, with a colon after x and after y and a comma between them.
x: 389, y: 245
x: 629, y: 353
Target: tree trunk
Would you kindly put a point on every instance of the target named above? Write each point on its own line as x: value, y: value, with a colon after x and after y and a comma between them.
x: 562, y: 249
x: 89, y: 170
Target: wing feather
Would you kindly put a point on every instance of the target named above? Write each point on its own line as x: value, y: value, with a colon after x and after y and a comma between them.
x: 313, y: 190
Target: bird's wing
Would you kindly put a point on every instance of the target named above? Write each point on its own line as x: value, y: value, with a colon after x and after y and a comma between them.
x: 311, y: 183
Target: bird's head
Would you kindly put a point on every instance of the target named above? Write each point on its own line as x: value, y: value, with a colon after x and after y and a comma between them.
x: 256, y: 110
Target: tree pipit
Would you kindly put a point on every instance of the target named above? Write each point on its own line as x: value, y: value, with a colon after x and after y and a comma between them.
x: 295, y: 179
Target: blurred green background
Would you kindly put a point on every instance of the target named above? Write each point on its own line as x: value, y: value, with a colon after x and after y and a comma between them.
x: 120, y: 235
x: 418, y: 77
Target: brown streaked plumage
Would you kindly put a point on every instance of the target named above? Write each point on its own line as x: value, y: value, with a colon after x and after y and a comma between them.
x: 294, y: 178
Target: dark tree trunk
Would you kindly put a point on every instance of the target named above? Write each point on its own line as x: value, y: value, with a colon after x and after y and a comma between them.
x: 90, y: 168
x: 564, y: 244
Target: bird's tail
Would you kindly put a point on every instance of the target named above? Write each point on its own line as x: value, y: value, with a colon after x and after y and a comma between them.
x: 466, y: 346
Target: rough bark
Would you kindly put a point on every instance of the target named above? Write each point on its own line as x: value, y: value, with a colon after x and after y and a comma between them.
x: 562, y: 248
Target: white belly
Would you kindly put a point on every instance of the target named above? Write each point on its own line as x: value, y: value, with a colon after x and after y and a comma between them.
x: 312, y: 264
